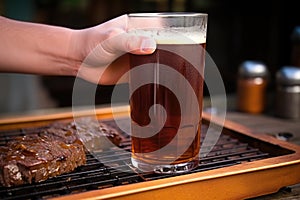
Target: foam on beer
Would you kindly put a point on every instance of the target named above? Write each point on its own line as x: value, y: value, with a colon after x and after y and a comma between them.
x: 172, y: 36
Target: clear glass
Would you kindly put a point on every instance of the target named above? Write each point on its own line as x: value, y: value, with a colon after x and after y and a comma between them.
x: 166, y: 91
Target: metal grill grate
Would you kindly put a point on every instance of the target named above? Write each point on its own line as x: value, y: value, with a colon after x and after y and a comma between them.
x: 96, y: 175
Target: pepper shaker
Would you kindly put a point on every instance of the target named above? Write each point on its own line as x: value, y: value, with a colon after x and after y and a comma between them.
x: 288, y: 92
x: 251, y: 87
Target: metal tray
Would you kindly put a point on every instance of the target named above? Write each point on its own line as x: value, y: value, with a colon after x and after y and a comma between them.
x: 241, y: 165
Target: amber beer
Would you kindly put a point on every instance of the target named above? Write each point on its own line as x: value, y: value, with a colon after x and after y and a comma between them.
x: 186, y: 56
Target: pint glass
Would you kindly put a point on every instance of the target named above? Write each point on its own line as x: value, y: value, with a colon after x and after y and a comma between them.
x: 166, y: 91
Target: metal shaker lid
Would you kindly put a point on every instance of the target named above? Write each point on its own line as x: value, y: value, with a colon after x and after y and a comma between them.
x: 288, y: 75
x: 253, y: 69
x: 295, y: 37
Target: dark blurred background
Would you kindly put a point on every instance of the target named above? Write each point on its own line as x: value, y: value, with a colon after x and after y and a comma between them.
x: 237, y: 31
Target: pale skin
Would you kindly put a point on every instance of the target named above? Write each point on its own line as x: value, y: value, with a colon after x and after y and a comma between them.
x: 33, y: 48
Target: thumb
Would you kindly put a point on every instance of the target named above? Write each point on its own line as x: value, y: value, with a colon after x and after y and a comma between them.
x: 116, y: 45
x: 125, y: 42
x: 140, y: 45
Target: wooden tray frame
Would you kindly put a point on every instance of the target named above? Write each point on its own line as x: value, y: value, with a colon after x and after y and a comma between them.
x: 234, y: 182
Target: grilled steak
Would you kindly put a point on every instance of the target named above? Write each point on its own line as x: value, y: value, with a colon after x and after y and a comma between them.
x: 47, y: 153
x: 95, y: 135
x: 36, y: 157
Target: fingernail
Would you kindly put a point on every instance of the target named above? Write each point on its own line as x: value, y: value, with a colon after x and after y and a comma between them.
x: 148, y: 45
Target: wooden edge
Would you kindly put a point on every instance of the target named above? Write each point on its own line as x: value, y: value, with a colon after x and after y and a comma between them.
x: 226, y: 172
x: 260, y: 165
x: 247, y: 131
x: 41, y: 119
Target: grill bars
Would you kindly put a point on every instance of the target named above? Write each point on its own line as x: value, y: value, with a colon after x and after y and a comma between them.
x: 96, y: 175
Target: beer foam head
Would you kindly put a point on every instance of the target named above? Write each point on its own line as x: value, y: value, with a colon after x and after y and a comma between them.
x: 174, y: 36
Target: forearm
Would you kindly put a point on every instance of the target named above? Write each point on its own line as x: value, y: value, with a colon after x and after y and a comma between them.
x: 35, y: 48
x: 94, y: 54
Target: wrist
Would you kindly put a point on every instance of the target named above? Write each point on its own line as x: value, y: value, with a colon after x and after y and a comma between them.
x: 65, y: 60
x: 76, y: 52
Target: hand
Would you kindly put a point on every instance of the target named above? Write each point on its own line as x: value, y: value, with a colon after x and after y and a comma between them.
x: 100, y: 52
x: 97, y: 54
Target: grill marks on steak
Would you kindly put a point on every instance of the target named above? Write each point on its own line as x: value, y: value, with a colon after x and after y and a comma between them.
x: 52, y: 151
x: 36, y: 157
x: 96, y: 136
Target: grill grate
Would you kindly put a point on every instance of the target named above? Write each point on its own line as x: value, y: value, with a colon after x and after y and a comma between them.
x: 96, y: 175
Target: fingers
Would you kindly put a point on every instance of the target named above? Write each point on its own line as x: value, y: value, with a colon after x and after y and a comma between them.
x: 121, y: 41
x: 117, y: 39
x: 142, y: 45
x: 117, y: 43
x: 106, y: 59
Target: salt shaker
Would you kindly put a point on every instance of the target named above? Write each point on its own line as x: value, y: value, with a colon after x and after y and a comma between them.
x: 288, y: 92
x: 251, y: 87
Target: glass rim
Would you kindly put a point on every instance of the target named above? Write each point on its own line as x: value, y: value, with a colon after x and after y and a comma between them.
x: 168, y: 14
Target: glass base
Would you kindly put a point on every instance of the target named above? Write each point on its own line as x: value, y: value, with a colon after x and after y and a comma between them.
x: 166, y: 169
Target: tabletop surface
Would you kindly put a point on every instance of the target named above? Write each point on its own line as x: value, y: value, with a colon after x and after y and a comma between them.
x: 276, y: 127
